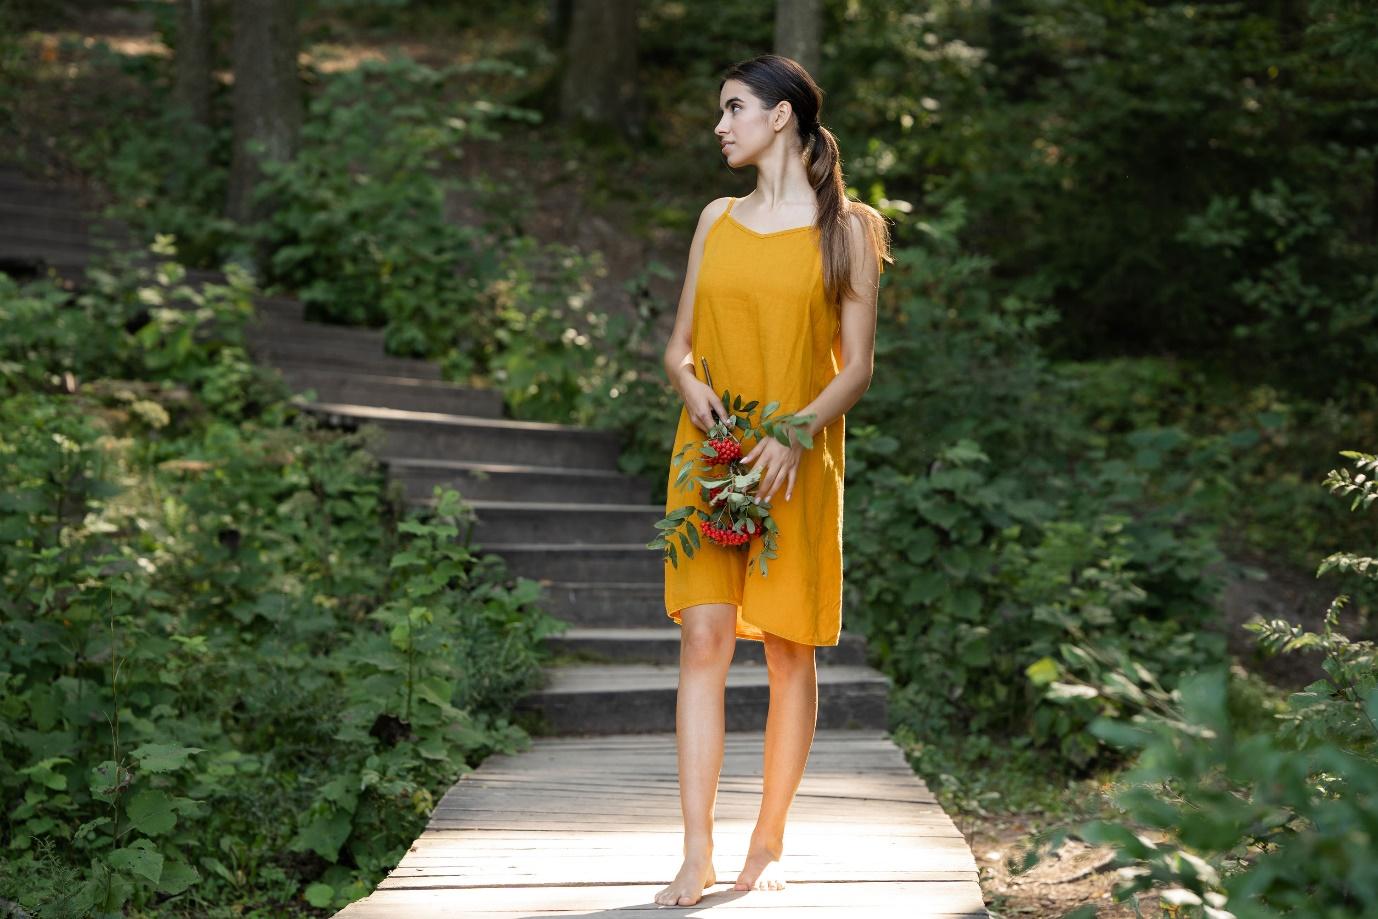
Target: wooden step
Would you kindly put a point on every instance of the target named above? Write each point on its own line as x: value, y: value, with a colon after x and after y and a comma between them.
x: 512, y: 482
x: 587, y: 562
x: 629, y: 698
x: 606, y: 604
x: 409, y: 393
x: 19, y: 217
x: 360, y: 356
x: 567, y: 521
x: 437, y: 435
x: 656, y: 644
x: 268, y: 324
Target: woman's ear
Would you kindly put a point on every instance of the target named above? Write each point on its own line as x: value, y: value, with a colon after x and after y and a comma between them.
x: 783, y: 110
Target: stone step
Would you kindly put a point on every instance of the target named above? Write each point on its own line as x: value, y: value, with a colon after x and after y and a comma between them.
x: 660, y: 645
x: 17, y: 188
x: 587, y: 562
x: 639, y: 698
x: 510, y: 482
x: 437, y: 435
x: 273, y: 306
x: 343, y: 358
x: 59, y: 222
x: 567, y: 521
x: 68, y: 260
x: 403, y: 392
x: 269, y: 324
x: 71, y: 264
x: 606, y: 604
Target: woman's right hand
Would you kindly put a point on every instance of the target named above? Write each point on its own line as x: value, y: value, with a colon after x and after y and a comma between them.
x: 701, y: 402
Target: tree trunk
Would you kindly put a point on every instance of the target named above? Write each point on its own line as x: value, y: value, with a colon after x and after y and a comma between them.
x: 798, y: 32
x: 192, y: 86
x: 267, y: 97
x: 557, y: 25
x: 599, y: 88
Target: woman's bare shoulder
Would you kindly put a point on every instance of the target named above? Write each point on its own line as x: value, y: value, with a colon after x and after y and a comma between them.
x: 713, y: 210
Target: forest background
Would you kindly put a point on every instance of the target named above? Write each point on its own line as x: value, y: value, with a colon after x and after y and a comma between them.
x: 1123, y: 389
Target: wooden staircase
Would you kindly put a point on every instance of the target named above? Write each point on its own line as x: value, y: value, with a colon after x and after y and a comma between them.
x: 538, y: 491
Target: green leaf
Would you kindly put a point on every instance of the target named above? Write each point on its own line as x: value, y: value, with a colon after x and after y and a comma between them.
x: 150, y: 811
x: 141, y: 858
x: 44, y: 774
x: 319, y: 895
x: 177, y: 876
x: 1042, y: 671
x: 161, y: 757
x: 325, y: 834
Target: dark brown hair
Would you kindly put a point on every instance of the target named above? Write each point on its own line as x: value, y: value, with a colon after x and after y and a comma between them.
x: 773, y: 79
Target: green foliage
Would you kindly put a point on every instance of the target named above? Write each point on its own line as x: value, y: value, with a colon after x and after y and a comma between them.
x: 1257, y: 809
x: 1174, y: 177
x: 987, y: 572
x: 358, y: 226
x: 234, y: 675
x: 361, y: 232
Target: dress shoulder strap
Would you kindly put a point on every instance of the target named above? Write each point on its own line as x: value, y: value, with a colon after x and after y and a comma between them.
x: 730, y: 201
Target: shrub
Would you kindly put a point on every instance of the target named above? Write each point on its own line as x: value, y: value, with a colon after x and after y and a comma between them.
x: 1257, y: 809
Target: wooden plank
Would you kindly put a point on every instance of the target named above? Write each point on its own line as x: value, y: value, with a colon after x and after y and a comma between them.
x: 586, y: 824
x: 899, y: 899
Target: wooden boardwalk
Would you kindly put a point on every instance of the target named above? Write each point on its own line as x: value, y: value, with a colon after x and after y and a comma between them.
x: 588, y: 826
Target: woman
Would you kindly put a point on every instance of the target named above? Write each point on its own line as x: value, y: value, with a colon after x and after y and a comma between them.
x: 780, y: 298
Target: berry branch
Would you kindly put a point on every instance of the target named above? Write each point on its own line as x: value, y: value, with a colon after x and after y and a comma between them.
x: 733, y: 518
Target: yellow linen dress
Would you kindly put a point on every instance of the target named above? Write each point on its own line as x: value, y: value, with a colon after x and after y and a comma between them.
x: 762, y: 321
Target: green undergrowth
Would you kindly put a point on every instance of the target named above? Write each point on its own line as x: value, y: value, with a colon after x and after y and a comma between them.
x: 237, y: 670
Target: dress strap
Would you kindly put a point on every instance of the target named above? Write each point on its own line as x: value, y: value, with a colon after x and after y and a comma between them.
x: 730, y: 201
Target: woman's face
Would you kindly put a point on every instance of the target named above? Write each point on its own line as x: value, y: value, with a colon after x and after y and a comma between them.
x: 744, y: 128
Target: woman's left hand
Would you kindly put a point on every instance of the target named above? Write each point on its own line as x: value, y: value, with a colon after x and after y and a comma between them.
x: 781, y: 463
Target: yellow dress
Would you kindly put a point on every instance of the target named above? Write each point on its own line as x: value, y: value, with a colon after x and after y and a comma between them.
x: 762, y: 321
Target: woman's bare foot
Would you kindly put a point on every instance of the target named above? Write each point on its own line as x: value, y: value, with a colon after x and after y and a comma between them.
x: 762, y: 870
x: 687, y: 888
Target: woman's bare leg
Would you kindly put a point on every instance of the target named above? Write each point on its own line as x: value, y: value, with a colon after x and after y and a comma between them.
x: 707, y: 640
x: 789, y: 736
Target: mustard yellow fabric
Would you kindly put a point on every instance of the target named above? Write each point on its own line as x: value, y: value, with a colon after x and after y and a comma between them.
x: 761, y: 319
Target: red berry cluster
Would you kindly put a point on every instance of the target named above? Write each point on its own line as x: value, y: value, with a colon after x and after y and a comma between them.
x: 714, y: 492
x: 722, y: 536
x: 728, y: 450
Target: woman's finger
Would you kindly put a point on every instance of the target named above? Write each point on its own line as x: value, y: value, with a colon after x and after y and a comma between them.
x: 785, y: 474
x: 789, y: 489
x: 760, y: 452
x: 767, y: 486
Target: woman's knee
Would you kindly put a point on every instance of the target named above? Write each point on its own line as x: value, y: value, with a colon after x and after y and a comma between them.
x: 786, y: 656
x: 708, y: 633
